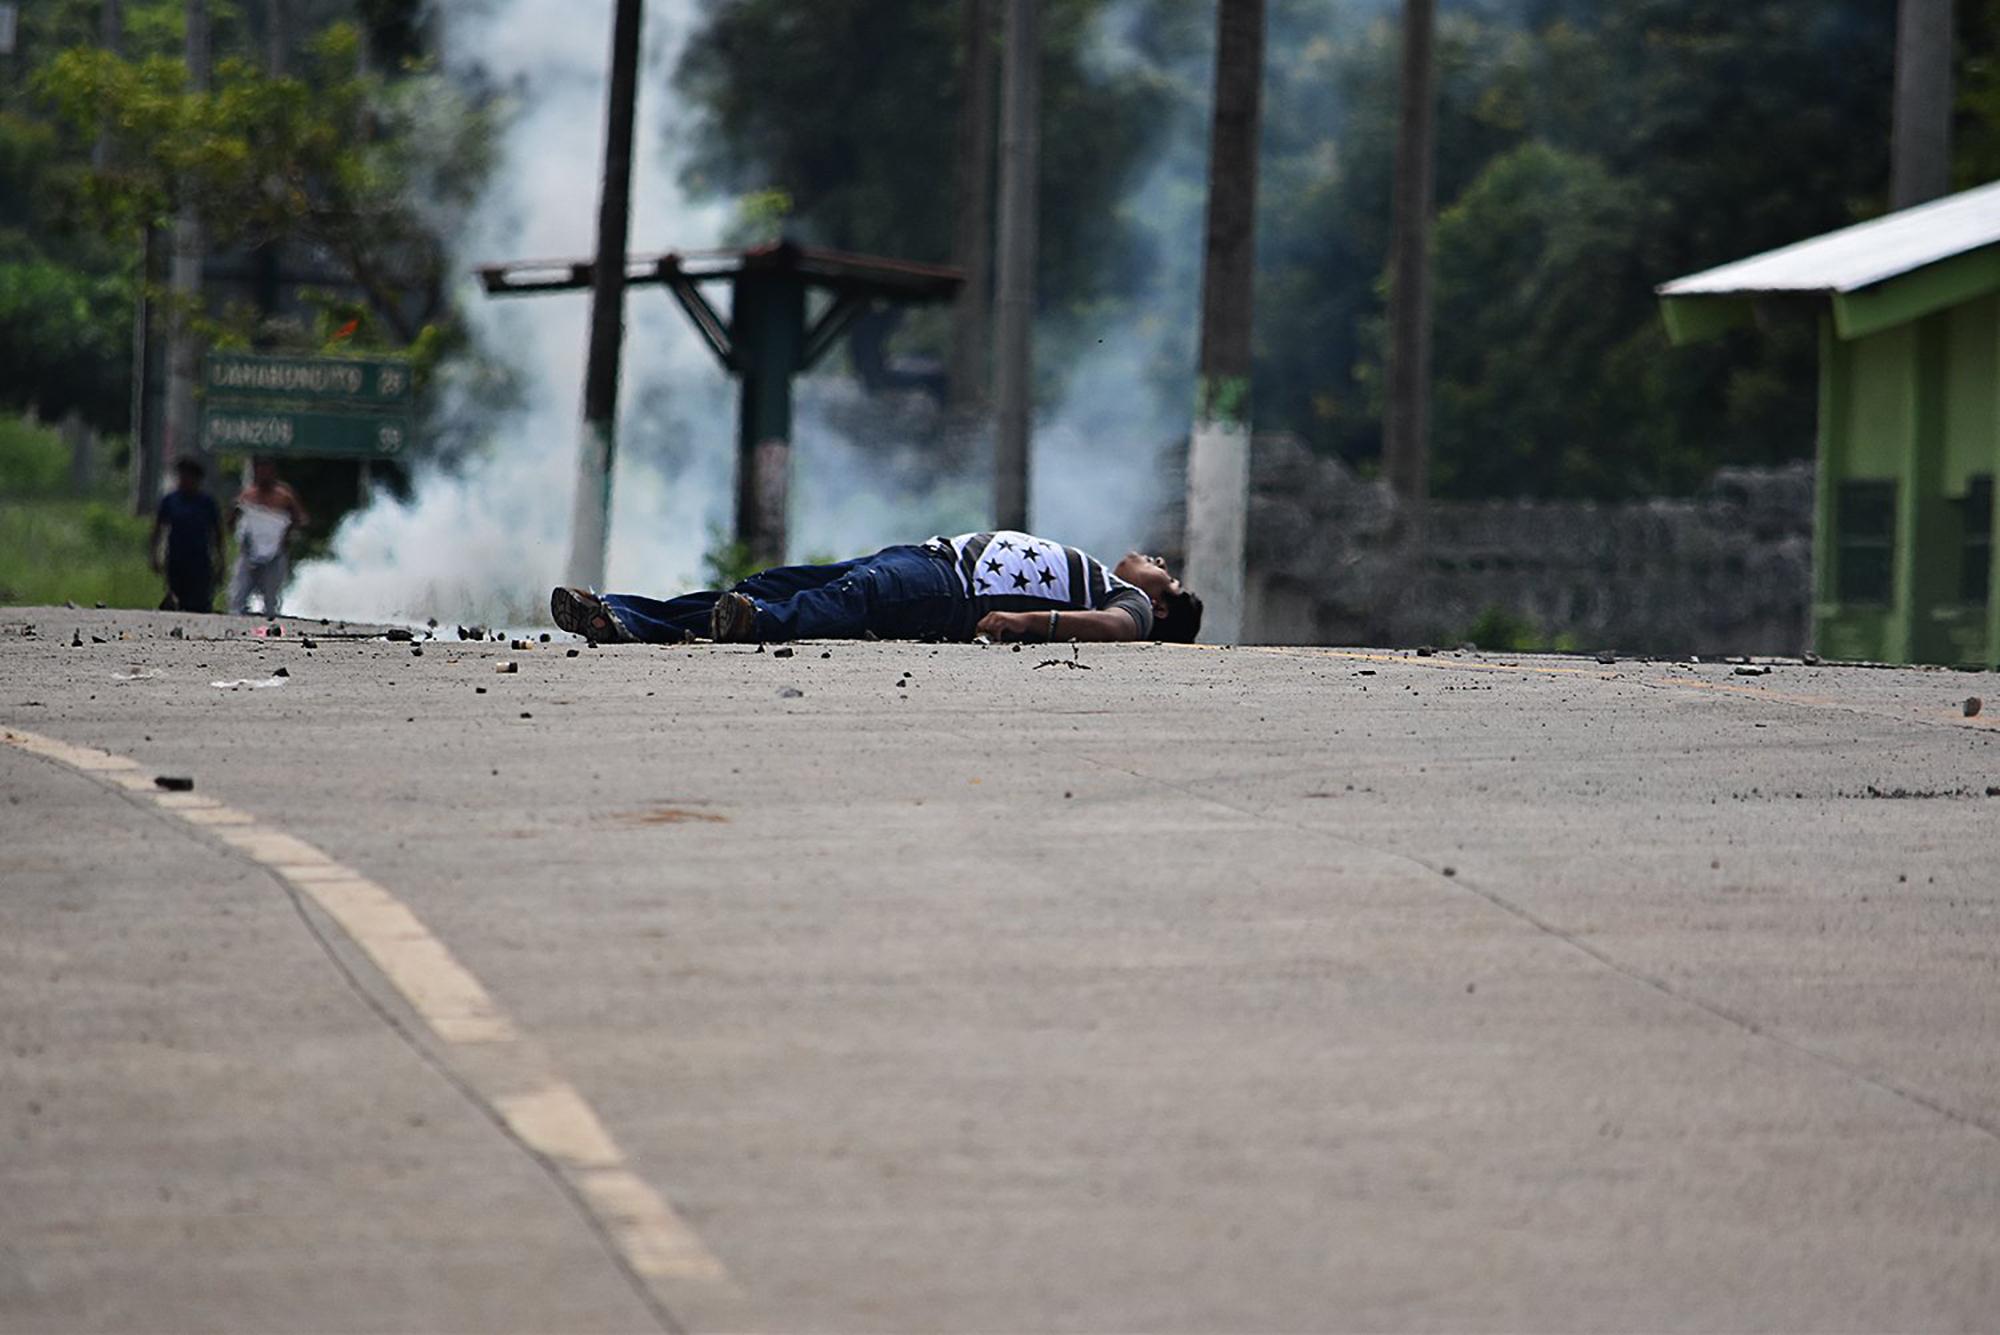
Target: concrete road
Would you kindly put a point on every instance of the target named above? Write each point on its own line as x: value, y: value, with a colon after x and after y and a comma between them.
x: 1197, y: 990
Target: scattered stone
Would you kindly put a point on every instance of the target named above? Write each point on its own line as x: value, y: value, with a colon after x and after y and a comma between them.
x: 76, y: 639
x: 307, y: 642
x: 1470, y: 988
x: 506, y: 665
x: 70, y: 604
x: 1753, y: 670
x: 397, y: 635
x: 174, y: 783
x: 177, y: 634
x: 544, y: 637
x: 571, y: 653
x: 1606, y: 657
x: 1973, y: 704
x: 416, y: 651
x: 281, y: 672
x: 1017, y: 648
x: 521, y: 644
x: 1425, y: 651
x: 790, y: 693
x: 100, y: 607
x: 827, y: 654
x: 1810, y: 660
x: 782, y: 651
x: 1451, y: 871
x: 99, y: 639
x: 479, y: 690
x: 526, y: 714
x: 760, y: 648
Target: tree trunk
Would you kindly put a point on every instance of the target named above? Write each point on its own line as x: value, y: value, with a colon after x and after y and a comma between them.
x: 1020, y: 154
x: 972, y: 223
x: 1218, y: 473
x: 1406, y: 425
x: 190, y: 245
x: 1920, y: 148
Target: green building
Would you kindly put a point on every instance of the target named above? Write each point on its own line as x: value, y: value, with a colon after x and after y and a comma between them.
x: 1909, y: 419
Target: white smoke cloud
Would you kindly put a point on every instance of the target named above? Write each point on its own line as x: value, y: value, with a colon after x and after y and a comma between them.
x: 485, y: 540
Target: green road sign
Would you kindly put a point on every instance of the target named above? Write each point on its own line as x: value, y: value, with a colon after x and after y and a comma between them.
x: 230, y: 429
x: 352, y: 382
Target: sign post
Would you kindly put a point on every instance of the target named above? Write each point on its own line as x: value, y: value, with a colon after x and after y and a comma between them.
x: 307, y: 407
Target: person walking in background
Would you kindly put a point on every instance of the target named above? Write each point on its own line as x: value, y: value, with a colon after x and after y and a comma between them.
x: 192, y: 525
x: 266, y: 515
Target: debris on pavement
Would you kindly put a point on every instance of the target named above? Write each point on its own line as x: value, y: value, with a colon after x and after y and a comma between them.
x: 250, y: 684
x: 174, y: 783
x: 571, y: 653
x: 1973, y: 704
x: 506, y: 665
x: 397, y: 635
x: 789, y: 693
x: 1606, y: 657
x: 782, y: 651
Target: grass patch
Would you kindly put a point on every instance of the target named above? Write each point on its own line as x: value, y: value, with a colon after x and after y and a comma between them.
x: 86, y: 551
x: 55, y: 546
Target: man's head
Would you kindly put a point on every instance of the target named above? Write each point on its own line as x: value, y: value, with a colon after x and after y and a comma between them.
x: 1176, y: 612
x: 264, y: 472
x: 188, y: 472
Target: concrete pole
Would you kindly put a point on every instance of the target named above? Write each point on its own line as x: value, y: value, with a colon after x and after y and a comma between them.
x: 1920, y: 149
x: 1020, y: 153
x: 1218, y: 471
x: 190, y: 245
x: 590, y: 525
x: 1406, y: 425
x: 972, y: 222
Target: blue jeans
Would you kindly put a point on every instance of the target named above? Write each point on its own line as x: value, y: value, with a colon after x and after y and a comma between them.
x: 899, y: 593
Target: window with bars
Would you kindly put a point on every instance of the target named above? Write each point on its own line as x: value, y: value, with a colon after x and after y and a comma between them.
x: 1865, y: 542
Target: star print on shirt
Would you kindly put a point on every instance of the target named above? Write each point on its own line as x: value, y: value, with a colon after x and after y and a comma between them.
x: 1047, y: 578
x: 1004, y: 545
x: 993, y: 566
x: 1020, y: 580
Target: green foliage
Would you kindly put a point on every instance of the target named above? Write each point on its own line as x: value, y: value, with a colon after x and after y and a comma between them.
x: 33, y: 461
x: 82, y: 551
x: 727, y: 562
x: 1500, y: 631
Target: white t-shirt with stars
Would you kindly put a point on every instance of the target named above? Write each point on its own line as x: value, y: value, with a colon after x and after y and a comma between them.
x: 1019, y: 572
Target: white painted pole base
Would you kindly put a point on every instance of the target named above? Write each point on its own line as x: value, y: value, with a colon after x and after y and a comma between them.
x: 590, y: 518
x: 1218, y: 501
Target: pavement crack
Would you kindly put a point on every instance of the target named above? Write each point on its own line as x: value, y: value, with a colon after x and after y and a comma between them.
x: 1460, y: 883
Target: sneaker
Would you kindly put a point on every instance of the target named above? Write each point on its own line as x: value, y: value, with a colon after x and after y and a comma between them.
x: 580, y: 612
x: 734, y: 620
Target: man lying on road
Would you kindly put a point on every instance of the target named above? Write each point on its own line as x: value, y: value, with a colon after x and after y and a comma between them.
x: 1006, y: 586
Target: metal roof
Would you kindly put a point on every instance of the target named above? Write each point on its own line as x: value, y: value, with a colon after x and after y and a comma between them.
x: 1860, y: 256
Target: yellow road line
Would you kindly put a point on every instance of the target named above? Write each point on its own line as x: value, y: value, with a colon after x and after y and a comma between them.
x: 508, y: 1070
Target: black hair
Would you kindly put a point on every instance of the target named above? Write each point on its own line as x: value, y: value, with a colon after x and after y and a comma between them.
x: 187, y: 463
x: 1181, y: 622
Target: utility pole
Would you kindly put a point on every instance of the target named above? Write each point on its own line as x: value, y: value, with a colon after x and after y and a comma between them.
x: 590, y: 524
x: 972, y: 223
x: 184, y: 277
x: 1406, y: 425
x: 1020, y: 167
x: 1218, y: 470
x: 1920, y: 147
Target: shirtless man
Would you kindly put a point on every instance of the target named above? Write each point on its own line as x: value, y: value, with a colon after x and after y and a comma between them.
x: 1004, y: 585
x: 265, y: 515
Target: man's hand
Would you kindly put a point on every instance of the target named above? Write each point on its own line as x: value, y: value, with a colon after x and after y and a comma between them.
x: 1014, y: 625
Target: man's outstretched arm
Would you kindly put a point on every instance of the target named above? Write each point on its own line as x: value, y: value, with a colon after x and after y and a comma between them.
x: 1100, y: 626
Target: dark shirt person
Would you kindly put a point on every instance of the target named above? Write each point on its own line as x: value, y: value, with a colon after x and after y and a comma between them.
x: 1003, y: 585
x: 192, y: 524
